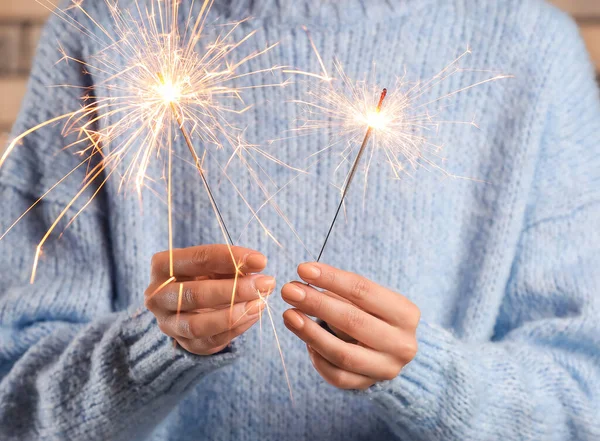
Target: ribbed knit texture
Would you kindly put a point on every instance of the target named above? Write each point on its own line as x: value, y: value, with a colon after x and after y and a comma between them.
x: 505, y: 272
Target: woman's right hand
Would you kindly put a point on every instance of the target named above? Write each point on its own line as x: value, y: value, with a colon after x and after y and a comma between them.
x: 205, y: 276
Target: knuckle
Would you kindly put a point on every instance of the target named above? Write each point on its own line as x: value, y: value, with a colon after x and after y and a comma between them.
x: 309, y: 338
x: 364, y: 385
x: 193, y: 328
x: 354, y: 319
x: 184, y: 327
x: 340, y: 379
x: 215, y: 350
x: 390, y: 372
x: 317, y: 302
x: 212, y: 341
x: 188, y: 295
x: 149, y: 300
x: 344, y: 359
x: 413, y: 349
x: 201, y: 255
x: 195, y: 347
x: 416, y: 315
x: 156, y: 262
x: 163, y: 327
x: 239, y: 314
x: 410, y: 350
x: 190, y: 347
x: 330, y: 276
x: 221, y: 339
x: 360, y: 289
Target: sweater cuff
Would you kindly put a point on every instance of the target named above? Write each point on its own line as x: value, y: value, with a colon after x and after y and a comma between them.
x: 155, y: 363
x: 422, y: 382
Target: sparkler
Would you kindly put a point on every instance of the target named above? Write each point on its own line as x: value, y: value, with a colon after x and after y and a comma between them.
x: 351, y: 174
x: 345, y: 109
x: 163, y: 83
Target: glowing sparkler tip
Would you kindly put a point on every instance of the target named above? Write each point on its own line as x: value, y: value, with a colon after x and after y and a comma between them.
x: 169, y: 91
x: 381, y: 98
x: 376, y: 120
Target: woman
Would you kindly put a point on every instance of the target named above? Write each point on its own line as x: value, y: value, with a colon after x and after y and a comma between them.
x: 495, y: 334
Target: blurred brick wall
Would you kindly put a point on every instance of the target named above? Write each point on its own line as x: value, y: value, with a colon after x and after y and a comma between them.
x: 20, y: 25
x: 21, y: 21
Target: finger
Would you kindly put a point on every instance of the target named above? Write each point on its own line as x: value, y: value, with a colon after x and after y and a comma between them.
x: 355, y: 322
x: 371, y: 297
x: 209, y: 293
x: 338, y: 332
x: 346, y: 356
x: 216, y: 343
x: 192, y: 325
x: 336, y: 296
x: 207, y: 260
x: 338, y: 377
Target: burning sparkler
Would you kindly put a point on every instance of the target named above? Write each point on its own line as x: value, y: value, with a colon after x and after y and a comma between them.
x: 348, y: 109
x: 167, y: 85
x: 350, y: 177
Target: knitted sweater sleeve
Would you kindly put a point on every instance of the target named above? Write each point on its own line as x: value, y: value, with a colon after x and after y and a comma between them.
x: 538, y: 377
x: 71, y: 366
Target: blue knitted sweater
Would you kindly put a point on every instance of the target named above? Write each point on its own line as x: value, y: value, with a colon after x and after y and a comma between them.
x: 506, y: 272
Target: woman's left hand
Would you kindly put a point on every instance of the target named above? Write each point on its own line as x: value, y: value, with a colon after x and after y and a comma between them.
x: 375, y: 328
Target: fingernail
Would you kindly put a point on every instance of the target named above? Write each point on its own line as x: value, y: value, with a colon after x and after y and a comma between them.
x: 264, y: 283
x: 255, y: 260
x: 293, y: 293
x: 309, y: 271
x: 293, y: 319
x: 254, y: 307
